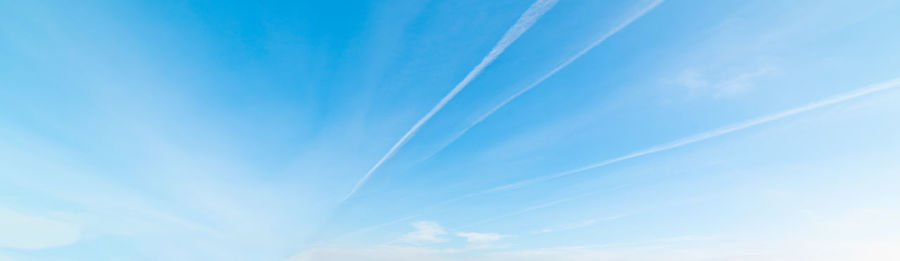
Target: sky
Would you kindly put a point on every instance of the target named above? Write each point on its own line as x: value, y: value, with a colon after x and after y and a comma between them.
x: 449, y: 130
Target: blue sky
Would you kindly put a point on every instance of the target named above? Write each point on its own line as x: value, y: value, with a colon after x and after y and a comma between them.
x: 449, y: 130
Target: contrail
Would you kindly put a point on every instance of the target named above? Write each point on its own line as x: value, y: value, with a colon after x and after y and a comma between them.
x: 526, y: 20
x: 559, y: 67
x: 711, y: 134
x: 682, y: 142
x: 883, y: 86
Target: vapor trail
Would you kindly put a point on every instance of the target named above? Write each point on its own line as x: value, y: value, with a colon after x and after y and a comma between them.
x: 681, y: 142
x: 526, y: 20
x: 559, y: 67
x: 883, y: 86
x: 711, y: 134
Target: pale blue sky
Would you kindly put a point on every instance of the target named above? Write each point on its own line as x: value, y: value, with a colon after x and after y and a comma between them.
x: 449, y: 130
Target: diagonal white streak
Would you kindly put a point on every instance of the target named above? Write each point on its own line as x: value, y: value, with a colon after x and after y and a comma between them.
x: 883, y: 86
x: 683, y: 142
x: 556, y: 69
x: 526, y: 20
x: 711, y: 134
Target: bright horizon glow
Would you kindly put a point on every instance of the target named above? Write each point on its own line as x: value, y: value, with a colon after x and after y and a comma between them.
x: 449, y: 130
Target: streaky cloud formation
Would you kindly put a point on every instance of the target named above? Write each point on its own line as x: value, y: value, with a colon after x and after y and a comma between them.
x: 235, y: 130
x: 637, y: 15
x: 22, y: 231
x: 640, y: 13
x: 528, y: 18
x: 480, y: 238
x: 426, y: 232
x: 883, y: 86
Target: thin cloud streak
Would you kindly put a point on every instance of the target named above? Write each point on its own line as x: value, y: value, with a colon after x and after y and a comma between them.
x: 526, y: 20
x: 711, y: 134
x: 559, y: 67
x: 682, y: 142
x: 883, y: 86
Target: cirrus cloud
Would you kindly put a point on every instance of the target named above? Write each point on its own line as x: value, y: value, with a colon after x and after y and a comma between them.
x: 27, y: 232
x: 480, y: 238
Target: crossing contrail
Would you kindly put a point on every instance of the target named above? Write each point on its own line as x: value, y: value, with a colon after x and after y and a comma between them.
x: 526, y: 20
x: 556, y: 69
x: 879, y: 87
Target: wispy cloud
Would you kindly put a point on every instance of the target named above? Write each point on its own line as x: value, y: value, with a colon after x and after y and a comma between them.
x: 883, y: 86
x: 556, y: 69
x: 698, y: 82
x: 710, y: 134
x: 526, y: 20
x: 678, y: 248
x: 579, y: 225
x: 426, y: 232
x: 480, y: 238
x: 22, y: 231
x: 380, y: 253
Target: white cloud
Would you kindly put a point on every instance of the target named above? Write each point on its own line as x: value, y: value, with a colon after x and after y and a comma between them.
x: 710, y: 83
x: 480, y: 238
x: 862, y: 234
x: 384, y: 253
x: 662, y: 249
x: 30, y: 232
x: 426, y: 232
